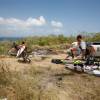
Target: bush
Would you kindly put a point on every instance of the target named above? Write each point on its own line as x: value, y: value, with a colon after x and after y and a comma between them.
x: 50, y: 40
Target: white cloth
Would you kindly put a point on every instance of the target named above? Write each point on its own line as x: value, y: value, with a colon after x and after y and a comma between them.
x: 20, y: 51
x: 74, y: 44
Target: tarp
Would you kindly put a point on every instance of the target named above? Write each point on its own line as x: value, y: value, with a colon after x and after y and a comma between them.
x: 94, y: 70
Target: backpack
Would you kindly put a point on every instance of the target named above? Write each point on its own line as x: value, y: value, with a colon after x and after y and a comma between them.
x: 57, y: 61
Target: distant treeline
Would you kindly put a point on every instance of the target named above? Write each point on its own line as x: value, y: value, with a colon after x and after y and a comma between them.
x: 49, y: 40
x: 54, y: 41
x: 93, y: 37
x: 59, y: 39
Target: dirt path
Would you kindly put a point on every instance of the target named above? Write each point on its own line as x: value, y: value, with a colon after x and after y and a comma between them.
x: 14, y: 65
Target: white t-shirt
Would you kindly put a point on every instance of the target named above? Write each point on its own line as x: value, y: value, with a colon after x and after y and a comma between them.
x: 20, y: 50
x: 83, y: 45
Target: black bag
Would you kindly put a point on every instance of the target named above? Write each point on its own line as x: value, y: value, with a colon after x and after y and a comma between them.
x: 56, y: 61
x: 90, y: 60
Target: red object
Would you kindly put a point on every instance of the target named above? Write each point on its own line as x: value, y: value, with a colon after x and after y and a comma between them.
x: 74, y: 49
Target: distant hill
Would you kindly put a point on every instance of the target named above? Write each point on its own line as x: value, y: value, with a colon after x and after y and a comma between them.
x: 10, y: 38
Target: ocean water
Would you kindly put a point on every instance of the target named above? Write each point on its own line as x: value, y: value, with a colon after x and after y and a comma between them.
x: 10, y: 38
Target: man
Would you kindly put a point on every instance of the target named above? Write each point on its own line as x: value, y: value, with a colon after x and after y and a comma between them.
x: 81, y: 45
x: 22, y: 47
x: 78, y: 49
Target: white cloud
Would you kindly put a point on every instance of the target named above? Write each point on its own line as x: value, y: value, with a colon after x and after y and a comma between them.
x: 1, y: 19
x: 37, y: 22
x: 56, y: 30
x: 14, y: 26
x: 23, y: 23
x: 56, y: 24
x: 30, y: 26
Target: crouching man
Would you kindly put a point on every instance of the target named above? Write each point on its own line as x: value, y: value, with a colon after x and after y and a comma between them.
x: 22, y: 47
x: 81, y: 45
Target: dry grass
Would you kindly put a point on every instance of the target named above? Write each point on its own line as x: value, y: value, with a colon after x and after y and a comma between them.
x: 47, y: 83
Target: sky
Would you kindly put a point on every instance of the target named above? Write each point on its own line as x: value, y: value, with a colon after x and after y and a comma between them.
x: 20, y: 18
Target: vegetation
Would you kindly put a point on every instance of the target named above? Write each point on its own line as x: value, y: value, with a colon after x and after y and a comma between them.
x: 52, y: 41
x: 42, y: 81
x: 4, y: 47
x: 94, y: 38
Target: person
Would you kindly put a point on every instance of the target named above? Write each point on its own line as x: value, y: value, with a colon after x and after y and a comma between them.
x: 78, y: 49
x: 72, y: 51
x: 14, y: 49
x: 22, y: 47
x: 81, y: 45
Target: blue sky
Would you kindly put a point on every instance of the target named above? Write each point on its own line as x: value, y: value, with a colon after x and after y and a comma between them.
x: 42, y: 17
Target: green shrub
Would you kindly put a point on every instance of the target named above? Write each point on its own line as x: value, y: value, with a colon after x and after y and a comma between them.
x: 50, y: 40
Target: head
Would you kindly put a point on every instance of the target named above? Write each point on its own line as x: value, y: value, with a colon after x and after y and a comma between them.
x: 79, y: 38
x: 23, y: 42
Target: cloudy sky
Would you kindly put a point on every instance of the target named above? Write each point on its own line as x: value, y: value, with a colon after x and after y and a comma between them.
x: 42, y: 17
